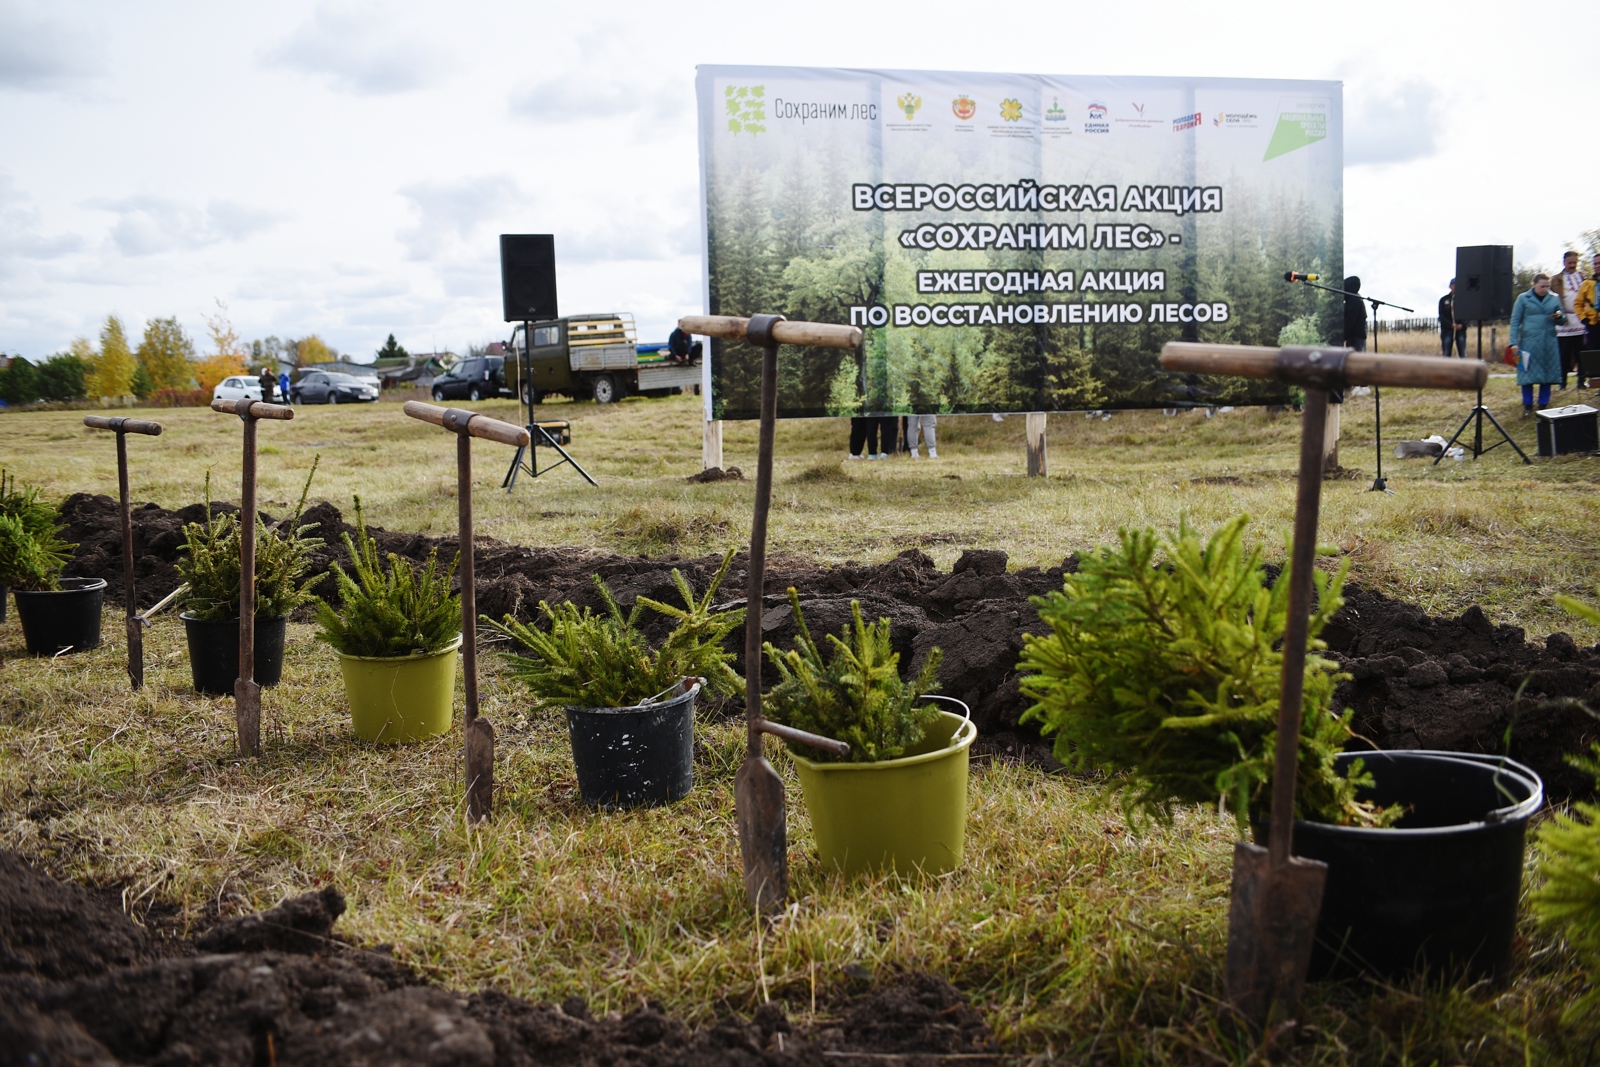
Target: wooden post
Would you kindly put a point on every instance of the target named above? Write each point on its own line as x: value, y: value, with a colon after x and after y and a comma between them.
x: 711, y: 445
x: 1035, y: 435
x: 1330, y: 439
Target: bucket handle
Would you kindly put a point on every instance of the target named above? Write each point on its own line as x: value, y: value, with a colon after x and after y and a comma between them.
x: 682, y: 684
x: 966, y: 712
x: 1503, y: 765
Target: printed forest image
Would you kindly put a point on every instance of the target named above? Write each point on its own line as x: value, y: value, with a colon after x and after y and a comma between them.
x: 786, y: 233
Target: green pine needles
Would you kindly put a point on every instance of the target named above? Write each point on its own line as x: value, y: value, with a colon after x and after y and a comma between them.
x: 1169, y: 673
x: 31, y: 548
x: 210, y: 562
x: 853, y: 694
x: 400, y: 610
x: 604, y: 661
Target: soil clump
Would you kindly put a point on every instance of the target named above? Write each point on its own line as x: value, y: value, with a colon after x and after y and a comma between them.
x: 1418, y: 681
x: 80, y: 985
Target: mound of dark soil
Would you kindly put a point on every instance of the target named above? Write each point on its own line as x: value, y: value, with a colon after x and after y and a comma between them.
x: 1419, y: 680
x: 276, y: 989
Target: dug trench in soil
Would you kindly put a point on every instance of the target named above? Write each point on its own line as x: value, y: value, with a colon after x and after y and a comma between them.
x: 82, y: 984
x: 1418, y: 681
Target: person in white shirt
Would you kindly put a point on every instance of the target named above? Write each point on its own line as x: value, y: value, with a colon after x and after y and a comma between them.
x: 1570, y: 334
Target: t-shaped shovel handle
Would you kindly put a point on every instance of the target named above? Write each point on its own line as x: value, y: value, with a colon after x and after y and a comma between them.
x: 782, y: 331
x: 478, y: 734
x: 1326, y: 367
x: 122, y: 427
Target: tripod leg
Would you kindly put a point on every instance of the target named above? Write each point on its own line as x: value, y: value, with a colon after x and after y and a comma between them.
x: 509, y: 482
x: 551, y: 442
x: 1490, y: 415
x: 1459, y: 431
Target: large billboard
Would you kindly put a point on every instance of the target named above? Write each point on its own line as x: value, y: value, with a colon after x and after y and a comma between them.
x: 1013, y: 242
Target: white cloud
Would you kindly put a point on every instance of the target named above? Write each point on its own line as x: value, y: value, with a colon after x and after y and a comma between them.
x: 148, y: 225
x: 450, y: 215
x: 41, y: 51
x: 361, y: 50
x: 1396, y: 127
x: 563, y: 99
x: 20, y: 235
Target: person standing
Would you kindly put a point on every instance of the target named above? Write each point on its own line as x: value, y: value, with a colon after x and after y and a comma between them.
x: 1533, y: 337
x: 863, y: 437
x: 1588, y: 307
x: 1570, y: 334
x: 269, y: 382
x: 283, y: 385
x: 1452, y: 334
x: 926, y: 425
x: 1355, y: 315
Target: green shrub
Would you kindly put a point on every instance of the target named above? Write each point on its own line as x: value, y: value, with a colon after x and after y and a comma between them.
x: 603, y: 661
x: 403, y: 610
x: 854, y: 694
x: 1169, y: 674
x: 31, y: 548
x: 1569, y: 899
x: 210, y: 563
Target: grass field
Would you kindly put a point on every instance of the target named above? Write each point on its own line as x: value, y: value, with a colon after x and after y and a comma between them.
x: 1083, y: 939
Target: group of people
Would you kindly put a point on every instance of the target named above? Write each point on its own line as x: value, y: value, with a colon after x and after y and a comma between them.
x: 876, y: 436
x: 268, y: 381
x: 1550, y: 325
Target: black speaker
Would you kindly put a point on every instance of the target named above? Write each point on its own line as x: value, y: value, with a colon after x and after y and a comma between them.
x: 1483, y: 283
x: 528, y: 276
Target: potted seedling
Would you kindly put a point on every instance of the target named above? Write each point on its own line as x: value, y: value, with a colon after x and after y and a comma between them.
x: 899, y: 798
x: 397, y: 631
x: 629, y: 707
x: 58, y: 614
x: 209, y: 566
x: 1162, y: 667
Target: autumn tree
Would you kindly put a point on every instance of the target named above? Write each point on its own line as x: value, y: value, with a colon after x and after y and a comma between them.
x: 61, y: 377
x: 167, y: 355
x: 313, y: 349
x: 227, y: 355
x: 111, y: 370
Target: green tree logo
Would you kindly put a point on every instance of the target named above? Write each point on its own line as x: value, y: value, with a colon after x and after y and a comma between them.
x: 747, y: 108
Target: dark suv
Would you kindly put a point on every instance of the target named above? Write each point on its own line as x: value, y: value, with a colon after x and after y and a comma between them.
x: 473, y: 378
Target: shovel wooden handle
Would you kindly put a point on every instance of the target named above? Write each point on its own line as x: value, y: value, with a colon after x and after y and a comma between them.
x: 122, y: 425
x: 254, y: 408
x: 816, y: 334
x: 1360, y: 368
x: 477, y: 425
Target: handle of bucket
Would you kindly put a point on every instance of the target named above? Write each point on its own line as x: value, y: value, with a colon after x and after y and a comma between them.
x: 1503, y: 765
x: 966, y: 712
x: 681, y: 684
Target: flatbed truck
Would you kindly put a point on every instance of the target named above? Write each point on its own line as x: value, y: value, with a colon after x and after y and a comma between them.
x: 597, y: 356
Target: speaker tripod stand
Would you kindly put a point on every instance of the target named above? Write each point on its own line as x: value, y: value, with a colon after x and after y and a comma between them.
x: 527, y: 456
x: 1475, y: 417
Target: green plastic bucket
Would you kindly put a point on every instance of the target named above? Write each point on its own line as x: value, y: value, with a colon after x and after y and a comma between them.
x: 908, y: 813
x: 401, y: 698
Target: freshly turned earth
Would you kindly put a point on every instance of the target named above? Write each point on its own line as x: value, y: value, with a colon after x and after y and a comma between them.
x: 1418, y: 681
x: 82, y: 985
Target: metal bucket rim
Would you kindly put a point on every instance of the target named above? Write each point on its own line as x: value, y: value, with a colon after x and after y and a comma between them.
x: 80, y: 585
x: 1512, y: 814
x: 685, y: 693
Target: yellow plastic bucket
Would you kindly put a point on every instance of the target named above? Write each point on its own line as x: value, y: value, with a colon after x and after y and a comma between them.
x: 401, y: 698
x: 908, y: 813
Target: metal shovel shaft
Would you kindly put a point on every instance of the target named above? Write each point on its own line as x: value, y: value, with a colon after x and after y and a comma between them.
x: 246, y: 693
x: 479, y: 735
x: 130, y: 609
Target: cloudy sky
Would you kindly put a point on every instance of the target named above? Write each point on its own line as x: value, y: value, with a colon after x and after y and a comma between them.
x: 343, y: 167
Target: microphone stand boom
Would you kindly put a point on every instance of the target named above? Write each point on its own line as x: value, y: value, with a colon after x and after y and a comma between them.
x: 1378, y: 483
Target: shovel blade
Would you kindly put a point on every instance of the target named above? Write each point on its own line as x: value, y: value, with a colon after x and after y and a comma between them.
x: 1272, y: 924
x: 480, y: 769
x: 763, y: 835
x: 247, y: 715
x: 135, y: 651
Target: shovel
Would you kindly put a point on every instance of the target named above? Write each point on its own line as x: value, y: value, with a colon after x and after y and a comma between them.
x: 479, y: 735
x: 1276, y: 897
x: 135, y: 625
x: 758, y: 791
x: 246, y: 693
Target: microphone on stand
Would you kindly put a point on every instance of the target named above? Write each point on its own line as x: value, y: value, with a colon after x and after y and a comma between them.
x: 1296, y: 276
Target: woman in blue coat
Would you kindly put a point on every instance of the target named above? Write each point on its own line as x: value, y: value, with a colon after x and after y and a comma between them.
x: 1533, y: 334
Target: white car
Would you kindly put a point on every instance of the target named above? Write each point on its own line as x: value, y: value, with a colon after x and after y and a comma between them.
x: 237, y: 388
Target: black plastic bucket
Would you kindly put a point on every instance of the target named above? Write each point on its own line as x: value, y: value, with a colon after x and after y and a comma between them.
x: 61, y: 620
x: 214, y: 652
x: 1438, y: 891
x: 636, y: 757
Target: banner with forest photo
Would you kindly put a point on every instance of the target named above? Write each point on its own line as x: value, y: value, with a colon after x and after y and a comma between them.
x: 1013, y: 242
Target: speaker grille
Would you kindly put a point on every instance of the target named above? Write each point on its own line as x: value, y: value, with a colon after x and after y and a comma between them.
x: 528, y: 276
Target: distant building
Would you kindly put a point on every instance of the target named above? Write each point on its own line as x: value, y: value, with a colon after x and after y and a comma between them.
x: 416, y: 371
